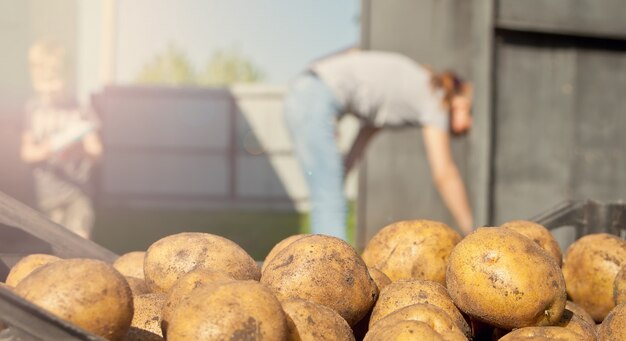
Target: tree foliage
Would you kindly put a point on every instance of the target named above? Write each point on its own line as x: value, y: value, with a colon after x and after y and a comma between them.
x: 225, y: 67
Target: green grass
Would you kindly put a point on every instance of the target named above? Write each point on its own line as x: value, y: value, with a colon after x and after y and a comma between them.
x: 124, y: 230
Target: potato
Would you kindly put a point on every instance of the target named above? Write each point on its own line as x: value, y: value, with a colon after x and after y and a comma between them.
x: 619, y: 287
x: 403, y: 293
x: 171, y: 257
x: 130, y: 264
x: 614, y: 325
x: 580, y: 312
x: 407, y: 330
x: 86, y: 292
x: 279, y: 247
x: 433, y: 316
x: 379, y: 278
x: 137, y: 286
x: 590, y: 267
x: 308, y: 321
x: 503, y: 278
x: 183, y: 287
x: 325, y: 270
x: 236, y: 310
x: 577, y: 324
x: 412, y: 249
x: 148, y: 312
x: 27, y: 265
x: 541, y: 333
x: 539, y: 234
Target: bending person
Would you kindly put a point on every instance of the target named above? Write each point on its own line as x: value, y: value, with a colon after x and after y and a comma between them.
x: 383, y: 90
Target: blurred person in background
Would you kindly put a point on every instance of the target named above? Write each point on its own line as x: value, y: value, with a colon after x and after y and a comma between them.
x: 383, y: 90
x: 59, y: 142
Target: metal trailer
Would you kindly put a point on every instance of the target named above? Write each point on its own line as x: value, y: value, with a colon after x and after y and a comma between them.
x: 549, y: 110
x: 24, y: 231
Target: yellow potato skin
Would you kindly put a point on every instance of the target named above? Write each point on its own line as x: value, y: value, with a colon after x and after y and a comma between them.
x: 433, y: 316
x: 619, y: 287
x: 379, y: 278
x: 148, y: 312
x: 580, y: 312
x: 183, y: 287
x: 590, y: 267
x: 130, y: 264
x: 325, y: 270
x: 412, y: 249
x: 86, y: 292
x: 27, y: 265
x: 308, y: 321
x: 279, y: 247
x: 235, y: 310
x: 407, y: 330
x: 614, y: 325
x: 541, y: 334
x: 403, y: 293
x: 137, y: 286
x: 577, y: 324
x: 539, y: 234
x: 505, y: 279
x: 171, y: 257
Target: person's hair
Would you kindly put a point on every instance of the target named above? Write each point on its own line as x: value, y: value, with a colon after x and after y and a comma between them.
x: 46, y: 50
x: 451, y: 84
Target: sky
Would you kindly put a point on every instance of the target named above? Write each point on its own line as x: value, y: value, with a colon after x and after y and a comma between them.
x: 279, y: 36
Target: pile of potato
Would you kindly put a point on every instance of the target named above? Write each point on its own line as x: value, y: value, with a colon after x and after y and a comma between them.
x: 415, y: 280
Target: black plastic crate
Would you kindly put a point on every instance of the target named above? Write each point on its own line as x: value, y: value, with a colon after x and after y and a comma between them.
x: 571, y: 220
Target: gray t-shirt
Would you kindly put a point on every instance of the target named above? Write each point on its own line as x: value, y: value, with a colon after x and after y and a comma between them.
x: 386, y: 89
x: 67, y: 172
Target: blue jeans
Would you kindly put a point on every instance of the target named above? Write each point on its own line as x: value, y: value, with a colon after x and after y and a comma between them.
x: 311, y: 111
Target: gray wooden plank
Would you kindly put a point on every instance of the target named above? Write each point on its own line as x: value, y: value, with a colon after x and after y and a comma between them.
x: 579, y: 17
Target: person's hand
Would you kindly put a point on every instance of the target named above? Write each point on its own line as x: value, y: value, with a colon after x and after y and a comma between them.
x: 461, y: 119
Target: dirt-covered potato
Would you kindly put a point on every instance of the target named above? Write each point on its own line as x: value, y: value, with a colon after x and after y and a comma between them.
x: 432, y: 315
x: 542, y: 334
x: 614, y: 325
x: 279, y: 247
x: 308, y: 321
x: 86, y: 292
x: 405, y: 330
x: 539, y: 234
x: 412, y: 249
x: 137, y: 286
x: 184, y: 286
x: 577, y: 324
x: 580, y: 312
x: 619, y: 287
x: 173, y: 256
x: 148, y: 312
x: 403, y: 293
x: 27, y: 265
x: 130, y: 264
x: 379, y: 278
x: 325, y: 270
x: 236, y: 310
x: 590, y: 267
x: 501, y: 277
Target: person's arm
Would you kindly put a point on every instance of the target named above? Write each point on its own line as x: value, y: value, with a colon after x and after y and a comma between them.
x: 358, y: 146
x: 92, y: 145
x: 31, y: 151
x: 446, y: 176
